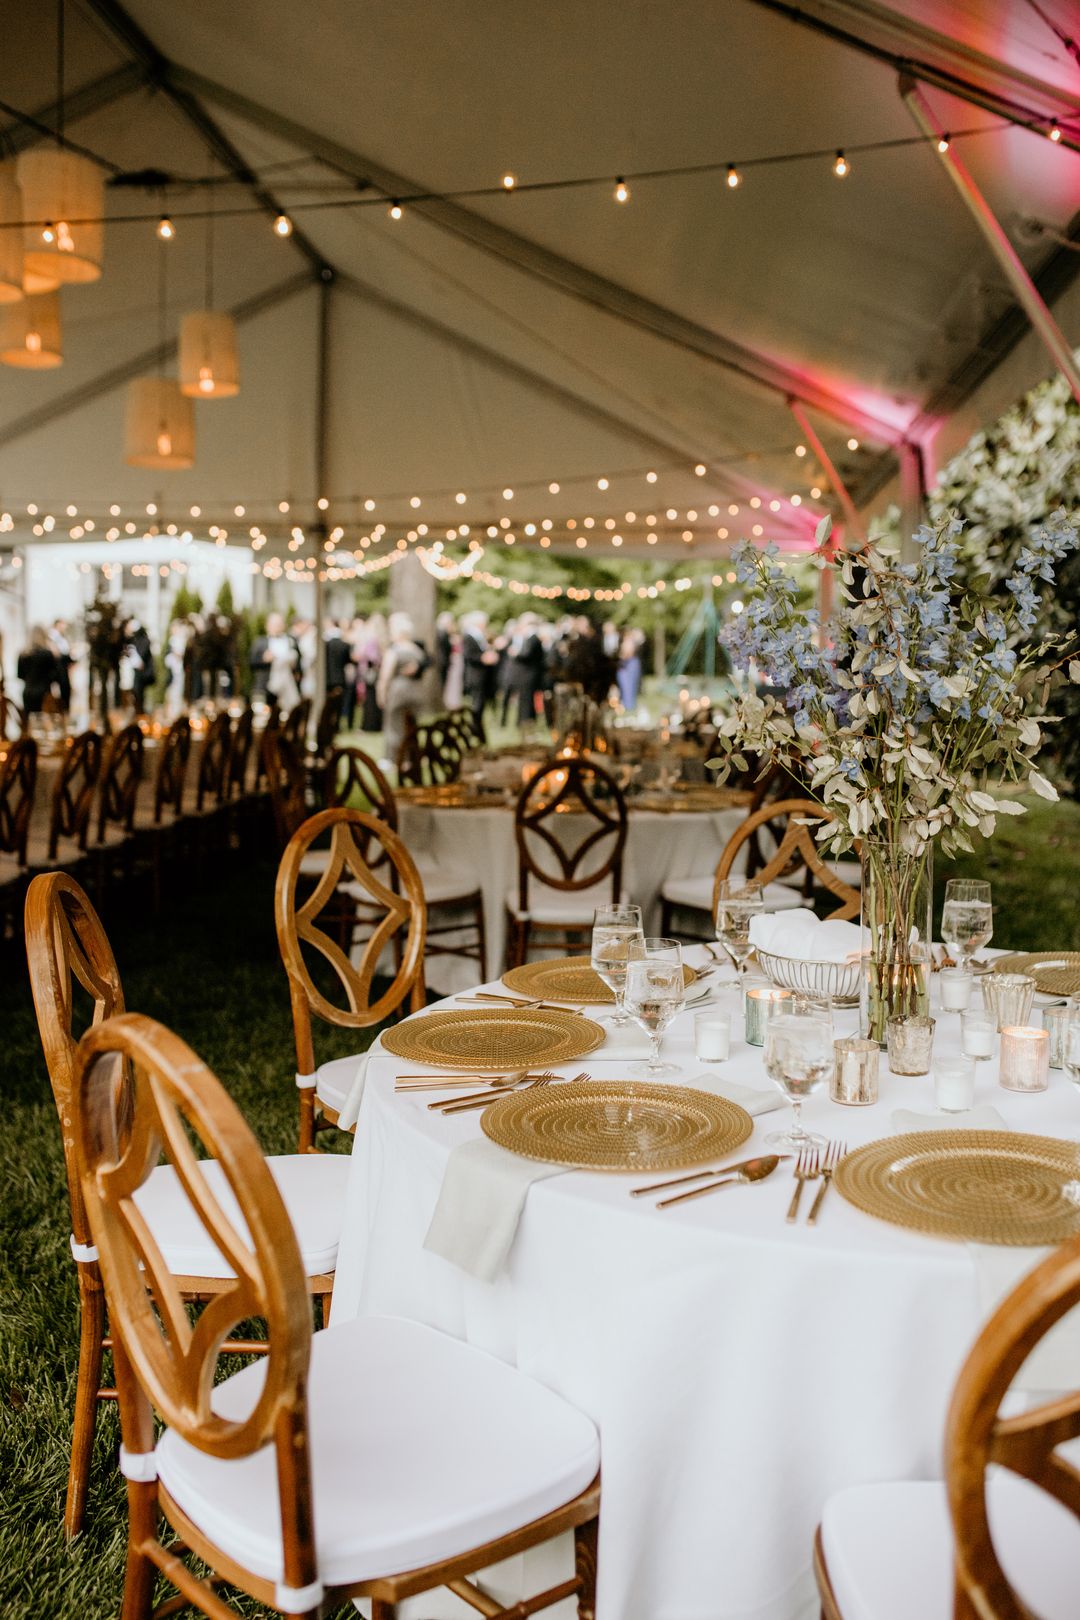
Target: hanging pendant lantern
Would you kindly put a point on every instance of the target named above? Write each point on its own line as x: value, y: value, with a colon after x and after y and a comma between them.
x: 209, y: 367
x: 159, y: 425
x: 64, y: 201
x: 30, y: 332
x: 11, y: 236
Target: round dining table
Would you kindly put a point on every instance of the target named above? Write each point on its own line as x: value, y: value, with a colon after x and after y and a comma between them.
x: 739, y: 1369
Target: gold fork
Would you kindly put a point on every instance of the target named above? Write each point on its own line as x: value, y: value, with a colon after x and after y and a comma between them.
x: 806, y: 1169
x: 498, y: 1082
x: 462, y: 1105
x: 833, y: 1154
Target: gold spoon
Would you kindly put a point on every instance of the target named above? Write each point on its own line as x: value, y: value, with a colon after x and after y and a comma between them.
x: 752, y: 1170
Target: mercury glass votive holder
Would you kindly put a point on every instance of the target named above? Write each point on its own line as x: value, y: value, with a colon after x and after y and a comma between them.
x: 1008, y: 997
x: 1025, y: 1058
x: 761, y: 1000
x: 910, y: 1042
x: 855, y: 1072
x: 1056, y: 1022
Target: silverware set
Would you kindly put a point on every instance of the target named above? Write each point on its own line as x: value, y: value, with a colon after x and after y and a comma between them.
x: 495, y: 1085
x: 533, y: 1004
x: 814, y: 1164
x: 811, y: 1164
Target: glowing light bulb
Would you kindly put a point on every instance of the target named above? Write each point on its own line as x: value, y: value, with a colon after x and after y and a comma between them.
x: 164, y: 444
x: 206, y: 379
x: 508, y: 494
x: 165, y: 228
x: 701, y: 469
x: 796, y: 500
x: 622, y: 191
x: 369, y: 506
x: 800, y: 449
x: 283, y: 506
x: 509, y: 181
x: 33, y: 342
x: 755, y: 501
x: 815, y: 493
x: 650, y: 478
x: 733, y: 176
x: 733, y: 509
x: 196, y: 511
x: 1055, y: 132
x: 64, y: 239
x: 553, y: 489
x: 283, y: 225
x: 47, y: 232
x: 414, y: 502
x: 943, y: 144
x: 853, y: 444
x: 460, y: 497
x: 395, y: 210
x: 841, y: 167
x: 601, y: 483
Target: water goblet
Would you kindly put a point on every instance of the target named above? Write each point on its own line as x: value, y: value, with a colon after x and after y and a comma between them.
x: 799, y: 1058
x: 967, y: 918
x: 738, y: 899
x: 614, y: 927
x: 654, y: 995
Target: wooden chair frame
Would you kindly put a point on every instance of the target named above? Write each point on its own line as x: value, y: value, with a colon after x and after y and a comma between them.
x: 271, y: 727
x: 326, y: 728
x: 287, y: 783
x: 73, y: 793
x: 164, y: 1365
x: 399, y: 901
x: 976, y: 1436
x: 585, y: 789
x: 120, y: 779
x: 18, y: 781
x: 67, y: 945
x: 295, y: 724
x: 430, y: 755
x: 172, y: 770
x: 243, y: 733
x: 797, y: 846
x: 212, y: 783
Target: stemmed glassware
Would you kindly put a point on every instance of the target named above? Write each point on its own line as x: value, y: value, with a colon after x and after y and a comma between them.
x: 798, y: 1058
x: 967, y: 918
x: 613, y: 929
x: 737, y: 900
x: 655, y: 992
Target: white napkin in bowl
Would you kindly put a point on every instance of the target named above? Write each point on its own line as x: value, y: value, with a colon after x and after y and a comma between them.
x: 801, y: 935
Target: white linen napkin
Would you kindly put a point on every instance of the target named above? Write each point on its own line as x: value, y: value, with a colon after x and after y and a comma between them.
x: 755, y: 1099
x: 350, y: 1111
x: 623, y: 1041
x: 480, y: 1203
x: 802, y: 935
x: 983, y: 1118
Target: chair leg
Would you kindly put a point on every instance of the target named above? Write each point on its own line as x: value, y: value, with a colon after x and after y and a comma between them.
x: 381, y: 1610
x: 585, y: 1539
x: 91, y: 1332
x: 666, y: 911
x: 307, y: 1120
x: 481, y: 936
x: 141, y: 1572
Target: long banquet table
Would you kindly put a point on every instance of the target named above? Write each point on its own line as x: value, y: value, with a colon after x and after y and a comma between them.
x: 739, y: 1369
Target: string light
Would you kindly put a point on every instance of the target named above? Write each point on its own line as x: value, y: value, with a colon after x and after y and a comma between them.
x: 509, y: 181
x: 283, y: 225
x: 48, y: 234
x: 700, y: 470
x: 841, y: 167
x: 395, y: 209
x: 943, y: 145
x: 800, y: 450
x: 1055, y: 132
x: 622, y: 191
x: 601, y: 483
x: 166, y: 230
x: 733, y: 176
x: 853, y: 444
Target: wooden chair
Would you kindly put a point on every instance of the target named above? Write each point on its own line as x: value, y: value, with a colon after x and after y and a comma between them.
x: 463, y: 723
x: 243, y: 735
x: 294, y: 727
x: 18, y: 783
x: 561, y: 880
x: 287, y: 783
x: 992, y: 1541
x: 271, y: 726
x: 274, y: 1479
x: 430, y: 755
x: 67, y: 949
x: 113, y: 855
x: 160, y: 825
x: 797, y: 848
x: 326, y: 728
x: 72, y: 801
x: 12, y: 717
x: 311, y: 921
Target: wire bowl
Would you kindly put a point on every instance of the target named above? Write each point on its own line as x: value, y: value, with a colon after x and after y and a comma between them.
x: 840, y: 981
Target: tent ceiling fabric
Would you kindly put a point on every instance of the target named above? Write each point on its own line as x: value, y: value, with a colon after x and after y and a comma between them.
x: 452, y: 367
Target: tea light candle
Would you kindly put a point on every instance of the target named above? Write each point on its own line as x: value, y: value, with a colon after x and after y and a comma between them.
x: 855, y: 1072
x: 761, y: 1000
x: 1055, y: 1022
x: 1025, y: 1059
x: 712, y: 1037
x: 956, y: 988
x: 954, y: 1084
x: 977, y: 1031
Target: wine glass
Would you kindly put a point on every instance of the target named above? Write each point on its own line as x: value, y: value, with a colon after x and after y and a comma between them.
x: 737, y: 900
x: 655, y: 992
x: 798, y: 1058
x: 613, y: 928
x: 967, y: 918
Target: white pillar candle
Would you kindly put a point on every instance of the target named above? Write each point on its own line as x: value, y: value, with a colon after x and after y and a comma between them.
x: 954, y: 1084
x: 956, y: 988
x: 977, y: 1031
x: 712, y: 1037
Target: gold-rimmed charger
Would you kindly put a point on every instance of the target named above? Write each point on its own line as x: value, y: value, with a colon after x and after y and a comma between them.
x: 977, y: 1186
x: 567, y: 978
x: 617, y: 1125
x: 1056, y: 973
x: 491, y: 1039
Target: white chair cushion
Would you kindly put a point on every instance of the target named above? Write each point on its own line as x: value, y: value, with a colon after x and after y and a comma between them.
x: 334, y: 1081
x: 570, y: 907
x: 889, y: 1549
x: 311, y: 1184
x: 695, y: 893
x: 421, y: 1447
x: 314, y: 863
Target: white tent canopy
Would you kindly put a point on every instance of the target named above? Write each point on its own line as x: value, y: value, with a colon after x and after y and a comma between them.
x: 511, y: 341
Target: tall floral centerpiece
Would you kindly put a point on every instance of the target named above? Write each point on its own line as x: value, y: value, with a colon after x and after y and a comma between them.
x: 905, y: 715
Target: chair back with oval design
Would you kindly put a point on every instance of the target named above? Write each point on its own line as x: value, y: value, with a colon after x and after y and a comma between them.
x: 570, y: 825
x: 73, y: 792
x: 18, y: 780
x: 172, y: 769
x: 286, y: 781
x: 309, y: 934
x: 67, y: 948
x: 977, y: 1436
x: 120, y: 781
x: 295, y: 724
x: 353, y: 779
x: 271, y: 727
x: 430, y: 755
x: 12, y: 717
x: 243, y: 734
x: 123, y: 1128
x: 797, y: 847
x: 212, y: 784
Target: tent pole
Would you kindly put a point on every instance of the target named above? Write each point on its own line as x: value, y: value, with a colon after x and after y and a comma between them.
x: 840, y: 489
x: 1027, y: 293
x: 322, y: 421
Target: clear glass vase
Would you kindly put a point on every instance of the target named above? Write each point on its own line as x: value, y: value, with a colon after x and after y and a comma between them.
x: 897, y: 888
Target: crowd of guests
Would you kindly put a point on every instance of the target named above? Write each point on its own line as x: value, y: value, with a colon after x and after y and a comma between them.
x: 54, y: 674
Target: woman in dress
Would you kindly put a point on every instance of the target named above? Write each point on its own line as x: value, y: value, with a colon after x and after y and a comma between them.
x: 628, y: 674
x: 400, y: 688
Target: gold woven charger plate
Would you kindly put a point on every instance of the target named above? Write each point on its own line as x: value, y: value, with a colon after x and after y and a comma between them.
x: 567, y: 978
x: 616, y: 1125
x: 490, y: 1039
x: 978, y: 1186
x: 1056, y: 973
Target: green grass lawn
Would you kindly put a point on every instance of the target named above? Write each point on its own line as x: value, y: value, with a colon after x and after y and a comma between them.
x: 210, y: 969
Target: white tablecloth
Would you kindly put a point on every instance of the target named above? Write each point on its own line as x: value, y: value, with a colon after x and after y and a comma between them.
x: 481, y: 841
x: 739, y: 1369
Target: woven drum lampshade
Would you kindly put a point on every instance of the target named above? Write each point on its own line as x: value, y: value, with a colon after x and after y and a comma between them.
x: 159, y: 429
x: 209, y: 367
x: 11, y: 243
x: 30, y: 332
x: 60, y: 188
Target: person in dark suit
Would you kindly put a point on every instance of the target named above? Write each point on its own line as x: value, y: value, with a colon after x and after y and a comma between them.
x: 38, y: 669
x: 338, y: 655
x: 481, y: 664
x: 141, y: 655
x: 275, y: 663
x: 61, y: 646
x: 527, y: 660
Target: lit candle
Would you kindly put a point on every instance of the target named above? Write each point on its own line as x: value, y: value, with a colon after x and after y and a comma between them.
x: 855, y: 1072
x: 977, y: 1030
x: 956, y: 988
x: 954, y: 1084
x: 1025, y: 1059
x: 712, y: 1037
x: 760, y: 1002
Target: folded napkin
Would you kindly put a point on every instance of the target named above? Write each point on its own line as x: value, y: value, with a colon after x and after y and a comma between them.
x: 755, y: 1099
x: 350, y: 1111
x: 983, y: 1118
x: 800, y: 934
x: 480, y: 1203
x: 623, y: 1041
x: 1055, y: 1362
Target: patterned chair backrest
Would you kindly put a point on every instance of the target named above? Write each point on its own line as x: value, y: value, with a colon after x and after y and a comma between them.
x: 120, y: 781
x: 18, y: 780
x: 430, y: 755
x: 213, y: 780
x: 800, y: 819
x: 73, y: 792
x: 329, y: 720
x: 243, y: 735
x: 286, y: 780
x: 570, y: 824
x: 172, y: 769
x: 295, y: 724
